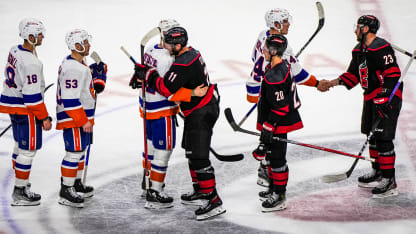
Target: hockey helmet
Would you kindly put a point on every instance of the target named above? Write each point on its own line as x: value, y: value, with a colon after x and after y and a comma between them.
x: 31, y: 26
x: 77, y: 36
x: 277, y: 15
x: 276, y: 44
x: 176, y: 35
x: 370, y: 21
x: 166, y: 24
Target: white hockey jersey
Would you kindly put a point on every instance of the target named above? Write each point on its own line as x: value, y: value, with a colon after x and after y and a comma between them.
x: 75, y: 95
x: 158, y: 106
x: 253, y: 83
x: 24, y: 84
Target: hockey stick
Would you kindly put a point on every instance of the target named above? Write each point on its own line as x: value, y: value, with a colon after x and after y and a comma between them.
x: 347, y: 174
x: 222, y: 157
x: 10, y: 125
x: 405, y: 52
x: 97, y: 60
x: 321, y: 22
x: 230, y: 119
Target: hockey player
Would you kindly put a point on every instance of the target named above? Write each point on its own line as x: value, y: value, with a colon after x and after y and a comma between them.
x: 277, y: 115
x: 160, y: 124
x: 23, y: 99
x: 278, y: 21
x: 189, y: 70
x: 75, y: 113
x: 374, y: 66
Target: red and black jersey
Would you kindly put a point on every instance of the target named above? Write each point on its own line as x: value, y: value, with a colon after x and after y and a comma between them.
x: 374, y: 68
x: 278, y: 104
x: 188, y: 71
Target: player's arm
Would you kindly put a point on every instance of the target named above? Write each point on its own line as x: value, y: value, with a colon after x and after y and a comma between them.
x: 253, y: 83
x: 350, y: 78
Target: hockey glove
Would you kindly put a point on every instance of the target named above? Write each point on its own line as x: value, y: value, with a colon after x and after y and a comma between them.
x: 99, y: 76
x: 267, y: 131
x: 382, y: 104
x: 138, y: 76
x: 260, y: 152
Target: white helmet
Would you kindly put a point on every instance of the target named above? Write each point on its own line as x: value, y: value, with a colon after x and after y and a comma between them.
x: 277, y: 15
x: 30, y: 26
x: 77, y: 36
x: 166, y: 24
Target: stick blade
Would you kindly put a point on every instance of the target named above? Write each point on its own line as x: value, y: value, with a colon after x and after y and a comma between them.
x: 321, y: 14
x: 228, y: 158
x: 230, y: 118
x: 155, y: 31
x: 334, y: 178
x: 94, y: 55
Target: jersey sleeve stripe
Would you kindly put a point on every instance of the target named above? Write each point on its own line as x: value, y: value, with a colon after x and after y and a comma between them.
x: 32, y: 98
x: 70, y: 103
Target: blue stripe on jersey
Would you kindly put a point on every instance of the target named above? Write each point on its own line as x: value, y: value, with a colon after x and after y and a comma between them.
x: 64, y: 115
x: 68, y: 103
x: 149, y: 156
x: 157, y: 105
x: 69, y: 164
x: 11, y: 100
x: 159, y: 168
x: 23, y: 166
x: 301, y: 76
x: 251, y: 89
x: 32, y: 98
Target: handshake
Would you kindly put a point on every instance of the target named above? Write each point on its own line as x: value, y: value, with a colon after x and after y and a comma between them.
x: 324, y: 85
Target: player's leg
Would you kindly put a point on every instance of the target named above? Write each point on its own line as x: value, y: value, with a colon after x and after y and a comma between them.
x: 85, y: 190
x: 76, y: 141
x: 28, y: 133
x: 372, y: 178
x: 150, y: 155
x: 279, y: 171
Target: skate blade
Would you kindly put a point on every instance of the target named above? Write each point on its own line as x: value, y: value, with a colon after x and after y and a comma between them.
x: 263, y: 182
x: 193, y: 203
x: 157, y: 205
x: 215, y: 212
x: 65, y: 202
x: 87, y: 195
x: 25, y: 203
x: 334, y: 178
x: 276, y: 208
x: 390, y: 193
x: 368, y: 185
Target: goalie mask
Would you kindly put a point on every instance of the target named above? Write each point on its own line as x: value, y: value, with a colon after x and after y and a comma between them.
x: 30, y: 26
x: 277, y: 15
x: 276, y: 44
x: 77, y: 36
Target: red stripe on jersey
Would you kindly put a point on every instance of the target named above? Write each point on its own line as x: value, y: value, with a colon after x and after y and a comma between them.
x: 202, y: 103
x: 280, y: 175
x: 372, y: 94
x: 77, y: 139
x: 161, y: 87
x: 185, y: 65
x: 349, y: 78
x: 281, y: 111
x: 381, y: 47
x: 287, y: 75
x: 392, y: 72
x: 169, y: 133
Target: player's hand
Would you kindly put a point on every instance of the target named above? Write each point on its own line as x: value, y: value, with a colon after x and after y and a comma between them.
x: 383, y: 106
x: 135, y: 83
x: 47, y: 124
x: 99, y: 75
x: 267, y: 132
x: 324, y: 85
x: 260, y: 152
x: 200, y: 91
x: 87, y: 127
x: 140, y: 71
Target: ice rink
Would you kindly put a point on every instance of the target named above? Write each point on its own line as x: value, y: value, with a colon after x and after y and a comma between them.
x: 224, y: 32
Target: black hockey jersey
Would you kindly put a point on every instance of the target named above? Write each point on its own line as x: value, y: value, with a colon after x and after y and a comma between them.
x: 278, y: 104
x: 375, y: 68
x: 188, y: 71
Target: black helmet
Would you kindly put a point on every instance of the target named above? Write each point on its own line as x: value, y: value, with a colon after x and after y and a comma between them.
x: 176, y: 35
x: 371, y: 21
x: 276, y: 44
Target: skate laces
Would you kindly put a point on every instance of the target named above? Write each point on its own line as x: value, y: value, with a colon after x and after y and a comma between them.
x: 72, y: 191
x: 29, y: 193
x: 383, y: 183
x: 370, y: 174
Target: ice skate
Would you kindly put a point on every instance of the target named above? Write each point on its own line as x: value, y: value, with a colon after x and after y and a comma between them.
x: 157, y: 200
x: 369, y: 180
x: 386, y: 188
x: 69, y: 197
x: 85, y: 190
x: 22, y: 196
x: 212, y: 208
x: 275, y: 201
x: 263, y: 176
x: 193, y: 198
x: 264, y: 195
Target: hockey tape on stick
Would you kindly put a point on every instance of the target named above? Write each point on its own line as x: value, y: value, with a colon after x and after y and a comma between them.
x: 230, y: 119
